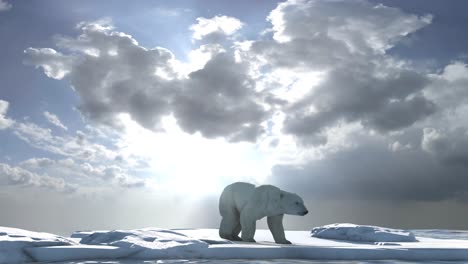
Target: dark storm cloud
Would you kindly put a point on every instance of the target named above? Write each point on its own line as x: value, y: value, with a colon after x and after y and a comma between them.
x: 400, y: 114
x: 450, y: 147
x: 372, y: 171
x: 384, y: 103
x: 220, y: 100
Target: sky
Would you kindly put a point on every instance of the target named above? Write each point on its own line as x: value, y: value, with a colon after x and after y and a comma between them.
x: 117, y: 115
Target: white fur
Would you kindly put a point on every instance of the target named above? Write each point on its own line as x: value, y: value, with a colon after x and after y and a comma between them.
x: 242, y: 204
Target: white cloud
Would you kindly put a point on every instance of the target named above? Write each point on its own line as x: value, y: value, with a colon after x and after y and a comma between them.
x: 86, y: 164
x: 67, y: 145
x: 448, y: 88
x: 55, y: 64
x: 18, y: 176
x: 215, y: 28
x: 38, y: 162
x: 361, y: 25
x: 4, y: 5
x: 4, y: 121
x: 398, y: 146
x: 31, y: 132
x: 53, y: 119
x: 113, y: 74
x: 198, y: 58
x: 85, y: 174
x: 130, y: 182
x: 344, y: 44
x: 170, y: 12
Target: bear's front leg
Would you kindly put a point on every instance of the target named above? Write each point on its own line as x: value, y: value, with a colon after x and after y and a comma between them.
x: 248, y: 227
x: 275, y: 224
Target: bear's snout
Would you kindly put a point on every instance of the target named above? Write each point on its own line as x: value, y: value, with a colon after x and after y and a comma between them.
x: 305, y: 212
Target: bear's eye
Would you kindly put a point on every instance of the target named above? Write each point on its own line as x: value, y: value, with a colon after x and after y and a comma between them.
x: 297, y: 203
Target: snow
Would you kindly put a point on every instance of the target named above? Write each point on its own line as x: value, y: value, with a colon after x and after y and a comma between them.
x: 363, y: 233
x: 152, y: 243
x: 13, y: 241
x: 347, y: 242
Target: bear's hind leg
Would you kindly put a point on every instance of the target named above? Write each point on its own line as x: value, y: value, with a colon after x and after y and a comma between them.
x: 228, y: 225
x: 224, y: 229
x: 235, y: 235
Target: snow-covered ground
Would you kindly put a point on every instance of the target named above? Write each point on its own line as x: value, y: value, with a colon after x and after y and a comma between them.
x: 344, y: 242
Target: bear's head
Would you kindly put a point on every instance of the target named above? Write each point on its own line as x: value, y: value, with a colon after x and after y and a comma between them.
x: 292, y: 204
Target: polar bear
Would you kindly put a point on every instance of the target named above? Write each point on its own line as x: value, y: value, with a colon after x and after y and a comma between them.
x: 241, y: 204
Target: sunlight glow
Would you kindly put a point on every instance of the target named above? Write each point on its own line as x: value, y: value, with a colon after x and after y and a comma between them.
x: 291, y: 85
x: 190, y: 163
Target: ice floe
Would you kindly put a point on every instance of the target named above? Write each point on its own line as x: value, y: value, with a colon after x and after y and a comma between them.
x: 13, y: 241
x: 362, y: 233
x: 19, y: 246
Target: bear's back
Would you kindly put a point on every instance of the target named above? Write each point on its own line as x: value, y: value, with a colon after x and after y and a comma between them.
x: 241, y: 193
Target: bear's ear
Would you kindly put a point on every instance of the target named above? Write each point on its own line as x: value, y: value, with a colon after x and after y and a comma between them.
x: 281, y: 195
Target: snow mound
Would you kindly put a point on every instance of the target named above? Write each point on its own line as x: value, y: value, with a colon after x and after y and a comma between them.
x: 13, y: 241
x: 362, y: 233
x: 152, y: 243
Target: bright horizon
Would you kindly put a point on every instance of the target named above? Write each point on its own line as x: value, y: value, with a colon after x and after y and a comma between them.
x: 117, y: 116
